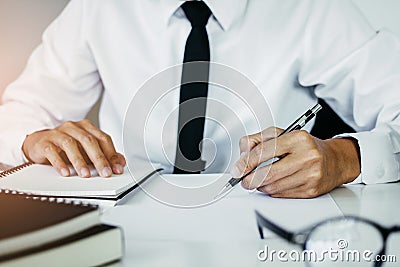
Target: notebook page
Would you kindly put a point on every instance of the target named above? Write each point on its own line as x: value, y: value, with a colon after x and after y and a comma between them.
x: 231, y: 218
x: 44, y: 180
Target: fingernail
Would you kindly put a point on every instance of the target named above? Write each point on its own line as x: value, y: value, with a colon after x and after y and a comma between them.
x: 242, y: 154
x: 64, y: 172
x: 235, y: 172
x: 85, y: 172
x: 118, y: 169
x: 106, y: 172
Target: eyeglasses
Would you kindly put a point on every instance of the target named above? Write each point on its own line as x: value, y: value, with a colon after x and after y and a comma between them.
x: 350, y: 239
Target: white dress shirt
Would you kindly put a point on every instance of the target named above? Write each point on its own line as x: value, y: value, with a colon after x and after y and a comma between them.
x: 294, y: 51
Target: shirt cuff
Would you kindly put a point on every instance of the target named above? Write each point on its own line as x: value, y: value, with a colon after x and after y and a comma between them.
x: 18, y: 154
x: 11, y: 152
x: 379, y: 163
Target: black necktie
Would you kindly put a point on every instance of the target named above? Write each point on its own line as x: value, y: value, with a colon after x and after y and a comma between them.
x: 193, y: 95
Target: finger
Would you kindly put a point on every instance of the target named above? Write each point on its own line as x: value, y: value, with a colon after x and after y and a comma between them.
x: 70, y: 146
x: 51, y: 152
x: 248, y: 142
x: 285, y: 184
x: 106, y: 145
x: 85, y: 156
x: 92, y: 148
x: 303, y: 191
x: 256, y: 179
x: 272, y: 173
x: 277, y: 147
x: 122, y: 159
x: 249, y: 161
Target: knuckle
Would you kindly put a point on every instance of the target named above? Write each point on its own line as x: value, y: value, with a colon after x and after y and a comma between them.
x: 114, y: 158
x: 257, y: 152
x: 260, y: 153
x: 303, y: 136
x: 88, y: 139
x: 242, y: 165
x: 100, y: 158
x: 270, y: 130
x: 47, y: 149
x: 246, y: 183
x: 312, y: 192
x: 68, y: 124
x: 55, y: 132
x: 79, y: 163
x: 244, y: 141
x: 105, y: 138
x: 252, y: 159
x: 274, y: 131
x: 86, y: 122
x: 58, y: 164
x: 68, y: 142
x: 317, y: 175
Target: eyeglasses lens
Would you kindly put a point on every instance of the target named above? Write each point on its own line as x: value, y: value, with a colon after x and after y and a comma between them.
x: 344, y: 241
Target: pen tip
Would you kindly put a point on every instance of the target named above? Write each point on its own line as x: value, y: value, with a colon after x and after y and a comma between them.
x: 224, y: 190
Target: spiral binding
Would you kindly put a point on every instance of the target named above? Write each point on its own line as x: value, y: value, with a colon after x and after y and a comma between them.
x: 58, y: 200
x: 39, y: 197
x: 15, y: 169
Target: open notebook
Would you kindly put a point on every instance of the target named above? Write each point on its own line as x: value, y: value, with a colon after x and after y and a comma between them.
x: 43, y: 180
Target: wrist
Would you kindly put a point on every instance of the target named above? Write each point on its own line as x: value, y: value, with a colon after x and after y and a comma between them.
x: 346, y: 153
x: 24, y: 150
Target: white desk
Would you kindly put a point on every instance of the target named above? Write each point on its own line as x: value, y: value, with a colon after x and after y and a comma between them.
x: 377, y: 202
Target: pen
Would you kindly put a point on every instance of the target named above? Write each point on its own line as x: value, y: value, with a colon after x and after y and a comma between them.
x: 296, y: 125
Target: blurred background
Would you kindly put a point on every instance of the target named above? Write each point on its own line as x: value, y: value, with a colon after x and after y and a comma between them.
x: 23, y: 21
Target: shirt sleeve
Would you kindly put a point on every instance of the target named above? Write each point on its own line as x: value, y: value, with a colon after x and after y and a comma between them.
x: 356, y: 70
x: 59, y: 83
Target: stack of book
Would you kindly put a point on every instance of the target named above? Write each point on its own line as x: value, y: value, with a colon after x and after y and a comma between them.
x: 42, y: 231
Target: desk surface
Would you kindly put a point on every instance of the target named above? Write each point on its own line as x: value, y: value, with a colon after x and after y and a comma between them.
x: 376, y: 202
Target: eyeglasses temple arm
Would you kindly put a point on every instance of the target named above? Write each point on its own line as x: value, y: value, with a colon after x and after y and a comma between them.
x: 395, y: 228
x: 261, y: 221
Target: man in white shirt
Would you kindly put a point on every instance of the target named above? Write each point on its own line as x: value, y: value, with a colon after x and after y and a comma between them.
x: 294, y: 51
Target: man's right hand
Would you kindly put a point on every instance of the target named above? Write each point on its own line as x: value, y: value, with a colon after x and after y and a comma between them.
x: 77, y: 143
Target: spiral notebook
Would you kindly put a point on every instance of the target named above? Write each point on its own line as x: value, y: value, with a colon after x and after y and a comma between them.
x: 42, y: 180
x: 28, y: 221
x: 42, y: 231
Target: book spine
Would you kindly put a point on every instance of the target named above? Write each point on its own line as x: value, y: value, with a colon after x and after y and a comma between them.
x: 14, y: 170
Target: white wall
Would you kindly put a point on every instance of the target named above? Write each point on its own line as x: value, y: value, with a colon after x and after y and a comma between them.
x: 21, y: 25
